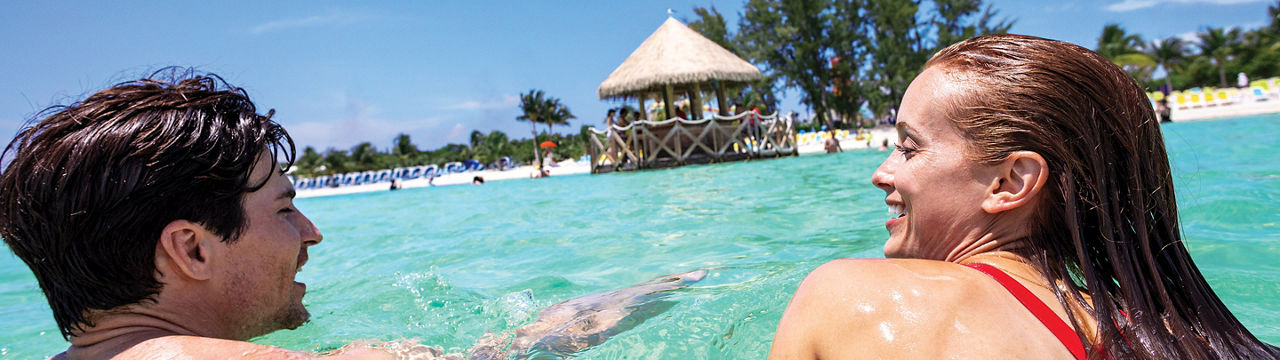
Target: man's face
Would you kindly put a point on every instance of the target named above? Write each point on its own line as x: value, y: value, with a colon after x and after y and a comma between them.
x: 270, y: 251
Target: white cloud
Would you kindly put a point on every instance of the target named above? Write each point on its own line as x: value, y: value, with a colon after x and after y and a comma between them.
x: 1130, y: 5
x: 359, y: 124
x: 1190, y: 37
x: 457, y: 133
x: 334, y: 17
x: 508, y: 101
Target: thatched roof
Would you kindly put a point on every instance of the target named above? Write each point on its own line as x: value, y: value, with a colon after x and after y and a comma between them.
x: 675, y: 54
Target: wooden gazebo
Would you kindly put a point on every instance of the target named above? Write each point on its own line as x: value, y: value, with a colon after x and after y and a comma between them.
x: 676, y: 61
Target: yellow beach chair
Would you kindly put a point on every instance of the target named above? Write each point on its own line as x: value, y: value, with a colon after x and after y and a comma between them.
x: 1224, y: 97
x: 1194, y: 101
x: 1180, y: 101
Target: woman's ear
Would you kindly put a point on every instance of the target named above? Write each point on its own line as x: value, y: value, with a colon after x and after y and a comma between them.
x: 1020, y: 177
x: 184, y: 249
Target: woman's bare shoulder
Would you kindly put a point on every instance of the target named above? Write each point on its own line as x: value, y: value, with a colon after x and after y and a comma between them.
x: 892, y: 307
x: 871, y: 278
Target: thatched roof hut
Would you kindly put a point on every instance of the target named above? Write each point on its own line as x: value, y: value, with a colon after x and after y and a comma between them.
x: 676, y: 57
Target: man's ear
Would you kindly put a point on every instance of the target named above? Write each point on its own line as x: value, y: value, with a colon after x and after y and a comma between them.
x: 1018, y: 181
x: 184, y: 249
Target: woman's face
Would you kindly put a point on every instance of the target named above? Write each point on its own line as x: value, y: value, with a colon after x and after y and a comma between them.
x: 934, y: 191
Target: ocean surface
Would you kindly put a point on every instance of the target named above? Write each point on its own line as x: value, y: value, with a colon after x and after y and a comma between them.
x: 446, y: 265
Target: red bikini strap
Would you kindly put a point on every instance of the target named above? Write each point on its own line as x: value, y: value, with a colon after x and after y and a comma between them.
x: 1064, y: 332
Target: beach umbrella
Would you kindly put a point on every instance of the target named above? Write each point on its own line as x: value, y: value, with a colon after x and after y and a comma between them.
x: 547, y: 144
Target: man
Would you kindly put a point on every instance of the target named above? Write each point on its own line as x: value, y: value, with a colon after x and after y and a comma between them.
x: 158, y: 222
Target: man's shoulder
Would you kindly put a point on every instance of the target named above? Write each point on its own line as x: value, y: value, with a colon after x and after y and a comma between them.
x: 195, y: 347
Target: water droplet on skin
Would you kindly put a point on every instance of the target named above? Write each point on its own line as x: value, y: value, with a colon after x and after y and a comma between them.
x: 886, y: 331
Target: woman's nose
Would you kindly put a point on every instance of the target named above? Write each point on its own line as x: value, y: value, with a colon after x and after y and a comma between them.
x: 883, y: 176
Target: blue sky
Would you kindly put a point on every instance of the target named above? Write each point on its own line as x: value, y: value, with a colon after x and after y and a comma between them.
x: 339, y: 73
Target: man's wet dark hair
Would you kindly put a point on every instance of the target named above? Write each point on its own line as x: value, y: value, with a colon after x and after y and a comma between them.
x: 92, y: 184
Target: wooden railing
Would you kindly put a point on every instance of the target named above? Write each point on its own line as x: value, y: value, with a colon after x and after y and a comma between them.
x: 676, y: 142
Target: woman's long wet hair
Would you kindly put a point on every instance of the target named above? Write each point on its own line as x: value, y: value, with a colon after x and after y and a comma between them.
x: 1109, y: 222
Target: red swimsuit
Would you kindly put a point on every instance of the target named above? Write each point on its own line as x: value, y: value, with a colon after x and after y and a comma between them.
x: 1064, y: 332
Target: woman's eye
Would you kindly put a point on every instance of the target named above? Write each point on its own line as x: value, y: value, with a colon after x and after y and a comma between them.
x: 906, y: 151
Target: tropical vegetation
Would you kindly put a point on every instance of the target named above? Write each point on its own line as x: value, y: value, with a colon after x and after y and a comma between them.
x: 536, y: 109
x: 843, y: 56
x: 1211, y: 58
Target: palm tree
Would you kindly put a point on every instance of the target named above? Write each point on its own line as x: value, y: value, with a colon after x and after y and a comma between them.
x: 1216, y: 44
x: 1167, y: 52
x: 557, y: 114
x: 1123, y: 49
x: 534, y: 108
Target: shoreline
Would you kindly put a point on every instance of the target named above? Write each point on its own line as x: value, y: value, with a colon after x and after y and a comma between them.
x: 572, y: 167
x: 813, y: 145
x: 567, y: 167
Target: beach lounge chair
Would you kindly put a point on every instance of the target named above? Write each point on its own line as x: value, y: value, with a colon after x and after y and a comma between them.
x: 1194, y: 101
x: 454, y: 168
x: 1210, y: 98
x: 431, y: 171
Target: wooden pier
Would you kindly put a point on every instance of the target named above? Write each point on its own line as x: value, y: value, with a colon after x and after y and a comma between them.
x: 678, y: 142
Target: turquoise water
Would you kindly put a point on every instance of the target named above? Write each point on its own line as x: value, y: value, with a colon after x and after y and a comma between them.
x: 446, y: 264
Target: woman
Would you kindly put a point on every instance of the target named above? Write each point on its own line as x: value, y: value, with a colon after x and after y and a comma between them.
x: 1034, y: 218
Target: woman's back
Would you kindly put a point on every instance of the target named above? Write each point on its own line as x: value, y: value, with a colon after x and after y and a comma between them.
x: 923, y: 309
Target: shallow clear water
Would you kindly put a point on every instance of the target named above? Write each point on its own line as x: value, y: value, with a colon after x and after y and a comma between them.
x: 446, y: 264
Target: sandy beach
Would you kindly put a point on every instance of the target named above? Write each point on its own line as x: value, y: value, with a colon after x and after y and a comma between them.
x: 567, y: 167
x: 1270, y: 106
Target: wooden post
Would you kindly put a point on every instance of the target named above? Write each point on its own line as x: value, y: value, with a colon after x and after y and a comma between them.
x: 695, y: 97
x: 666, y: 101
x: 643, y: 113
x: 724, y: 108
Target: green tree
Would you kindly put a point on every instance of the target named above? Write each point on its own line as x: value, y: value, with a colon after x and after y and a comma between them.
x: 337, y: 162
x: 1127, y: 51
x: 711, y: 25
x: 404, y: 151
x: 536, y: 108
x: 1217, y: 44
x: 795, y: 41
x: 1168, y: 53
x: 309, y: 161
x: 953, y: 21
x: 758, y: 94
x: 557, y: 114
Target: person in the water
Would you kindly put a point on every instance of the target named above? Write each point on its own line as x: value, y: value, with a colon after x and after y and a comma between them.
x: 158, y: 222
x: 1033, y: 216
